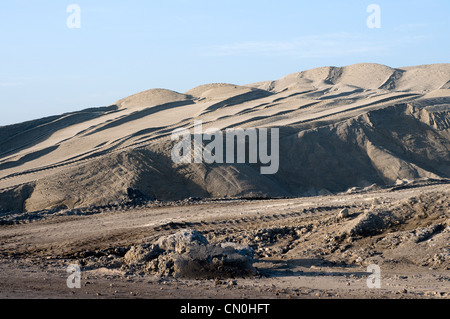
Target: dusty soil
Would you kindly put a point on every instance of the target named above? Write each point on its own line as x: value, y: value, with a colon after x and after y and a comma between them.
x: 304, y: 247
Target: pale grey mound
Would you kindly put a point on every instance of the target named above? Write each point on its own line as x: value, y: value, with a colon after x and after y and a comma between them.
x: 188, y: 254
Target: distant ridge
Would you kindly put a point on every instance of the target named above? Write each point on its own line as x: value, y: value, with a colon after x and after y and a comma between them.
x: 341, y: 128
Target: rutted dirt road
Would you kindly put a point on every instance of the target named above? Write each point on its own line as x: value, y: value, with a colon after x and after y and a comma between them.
x: 315, y: 247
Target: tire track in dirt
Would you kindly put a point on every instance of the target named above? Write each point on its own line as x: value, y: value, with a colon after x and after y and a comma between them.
x: 67, y: 235
x: 109, y: 237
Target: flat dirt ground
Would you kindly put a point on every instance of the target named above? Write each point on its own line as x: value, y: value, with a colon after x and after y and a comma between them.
x: 303, y: 248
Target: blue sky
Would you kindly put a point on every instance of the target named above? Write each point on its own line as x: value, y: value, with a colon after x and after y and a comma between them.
x: 124, y: 47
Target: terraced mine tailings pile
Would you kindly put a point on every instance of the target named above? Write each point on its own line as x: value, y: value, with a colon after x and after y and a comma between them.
x: 341, y: 128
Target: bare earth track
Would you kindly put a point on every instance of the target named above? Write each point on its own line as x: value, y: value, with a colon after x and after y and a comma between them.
x: 299, y: 246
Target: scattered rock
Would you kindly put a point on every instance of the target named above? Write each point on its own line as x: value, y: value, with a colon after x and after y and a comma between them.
x: 376, y: 201
x: 343, y: 214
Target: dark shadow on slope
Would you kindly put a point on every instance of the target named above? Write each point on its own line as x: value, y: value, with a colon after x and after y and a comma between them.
x: 28, y: 158
x: 340, y: 95
x: 239, y: 99
x: 16, y: 137
x: 140, y: 114
x: 321, y: 160
x: 409, y: 139
x: 13, y: 199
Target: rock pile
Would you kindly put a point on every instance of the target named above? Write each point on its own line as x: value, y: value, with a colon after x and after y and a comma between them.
x: 370, y: 223
x: 188, y: 254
